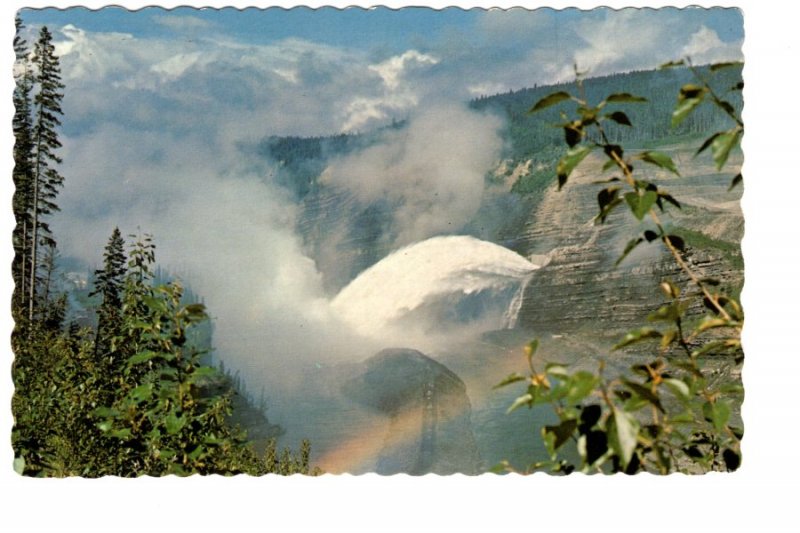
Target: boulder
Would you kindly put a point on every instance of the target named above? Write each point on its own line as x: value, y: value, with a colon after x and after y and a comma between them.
x: 429, y: 426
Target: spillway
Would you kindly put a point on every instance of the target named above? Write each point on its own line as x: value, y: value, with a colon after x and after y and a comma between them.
x: 440, y: 280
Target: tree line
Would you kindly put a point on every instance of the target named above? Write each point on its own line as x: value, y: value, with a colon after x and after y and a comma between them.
x: 130, y: 396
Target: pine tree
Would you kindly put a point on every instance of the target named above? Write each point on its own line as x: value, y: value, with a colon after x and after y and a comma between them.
x: 23, y: 169
x: 46, y: 180
x: 109, y: 285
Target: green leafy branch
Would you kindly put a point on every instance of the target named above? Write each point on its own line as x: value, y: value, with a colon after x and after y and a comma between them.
x: 668, y: 414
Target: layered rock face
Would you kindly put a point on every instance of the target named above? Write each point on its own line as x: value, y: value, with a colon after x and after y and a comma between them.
x: 429, y: 427
x: 581, y: 289
x: 343, y: 236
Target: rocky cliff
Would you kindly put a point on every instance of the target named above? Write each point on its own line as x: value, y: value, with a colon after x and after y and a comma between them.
x: 581, y: 290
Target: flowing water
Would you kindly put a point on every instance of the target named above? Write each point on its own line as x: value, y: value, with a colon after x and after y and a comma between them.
x: 441, y: 281
x: 450, y: 288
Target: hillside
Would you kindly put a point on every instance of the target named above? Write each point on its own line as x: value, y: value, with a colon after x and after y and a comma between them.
x: 580, y: 302
x: 345, y: 235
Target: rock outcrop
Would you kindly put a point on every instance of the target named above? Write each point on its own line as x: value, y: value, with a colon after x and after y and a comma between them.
x: 582, y: 290
x: 429, y: 427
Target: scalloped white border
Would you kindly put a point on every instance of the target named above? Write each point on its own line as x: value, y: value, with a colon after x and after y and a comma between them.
x: 757, y: 498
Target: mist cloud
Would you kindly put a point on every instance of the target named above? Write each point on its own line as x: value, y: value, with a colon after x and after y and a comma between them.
x: 432, y: 171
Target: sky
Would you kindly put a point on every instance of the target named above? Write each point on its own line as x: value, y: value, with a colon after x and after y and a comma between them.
x: 126, y: 108
x: 306, y: 72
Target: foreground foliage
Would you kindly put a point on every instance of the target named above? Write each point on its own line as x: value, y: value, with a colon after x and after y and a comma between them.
x: 140, y: 403
x: 674, y: 411
x: 130, y: 397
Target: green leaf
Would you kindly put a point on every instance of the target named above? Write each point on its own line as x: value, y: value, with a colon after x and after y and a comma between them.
x: 666, y: 313
x: 691, y: 90
x: 620, y: 118
x: 725, y: 106
x: 196, y: 310
x: 637, y: 336
x: 641, y: 202
x: 174, y: 423
x: 580, y: 385
x: 141, y: 393
x: 669, y: 289
x: 671, y: 64
x: 512, y: 378
x: 633, y: 243
x: 732, y: 459
x: 212, y: 440
x: 606, y: 196
x: 557, y: 370
x: 612, y: 150
x: 717, y: 413
x: 573, y: 133
x: 202, y: 373
x: 592, y: 446
x: 650, y: 235
x: 710, y: 322
x: 590, y: 415
x: 660, y: 160
x: 142, y: 357
x: 122, y: 434
x: 668, y: 197
x: 707, y: 143
x: 625, y: 97
x: 501, y: 467
x: 721, y: 146
x: 668, y: 337
x: 644, y: 393
x: 561, y: 432
x: 549, y: 100
x: 105, y: 412
x: 676, y: 241
x: 606, y: 211
x: 525, y: 399
x: 607, y: 165
x: 727, y: 64
x: 678, y: 387
x: 19, y: 465
x: 684, y: 107
x: 571, y: 160
x: 623, y: 431
x: 731, y: 388
x: 168, y: 373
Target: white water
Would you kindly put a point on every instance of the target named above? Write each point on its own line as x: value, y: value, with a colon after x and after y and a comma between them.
x: 414, y: 279
x: 511, y: 317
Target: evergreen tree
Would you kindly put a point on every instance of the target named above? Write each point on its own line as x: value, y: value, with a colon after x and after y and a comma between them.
x: 109, y: 285
x: 50, y: 266
x: 23, y: 169
x: 46, y: 179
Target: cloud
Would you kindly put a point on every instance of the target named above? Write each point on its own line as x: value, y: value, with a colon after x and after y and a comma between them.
x: 705, y: 46
x: 298, y: 87
x: 289, y: 87
x: 644, y: 38
x: 392, y: 70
